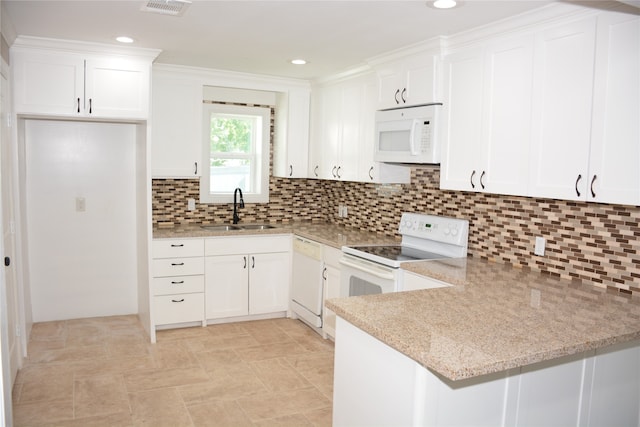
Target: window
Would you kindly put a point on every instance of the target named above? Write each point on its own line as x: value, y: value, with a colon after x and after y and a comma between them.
x: 236, y: 153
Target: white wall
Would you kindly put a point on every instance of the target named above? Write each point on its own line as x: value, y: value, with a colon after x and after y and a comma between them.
x: 81, y: 263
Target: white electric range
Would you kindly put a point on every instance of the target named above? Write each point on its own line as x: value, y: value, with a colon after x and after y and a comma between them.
x: 372, y: 269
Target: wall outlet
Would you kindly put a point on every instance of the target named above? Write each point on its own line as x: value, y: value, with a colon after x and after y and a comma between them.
x: 344, y: 211
x: 191, y: 204
x: 540, y: 246
x: 81, y: 204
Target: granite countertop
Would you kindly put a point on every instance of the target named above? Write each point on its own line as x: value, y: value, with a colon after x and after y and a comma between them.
x: 495, y: 317
x: 328, y: 234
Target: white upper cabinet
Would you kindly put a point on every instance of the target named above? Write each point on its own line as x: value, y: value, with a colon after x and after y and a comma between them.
x: 343, y: 134
x: 291, y: 150
x: 487, y: 120
x: 407, y: 81
x: 562, y: 102
x: 177, y: 126
x: 614, y: 161
x: 76, y: 84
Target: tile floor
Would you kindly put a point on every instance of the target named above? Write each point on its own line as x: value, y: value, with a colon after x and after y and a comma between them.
x: 104, y: 372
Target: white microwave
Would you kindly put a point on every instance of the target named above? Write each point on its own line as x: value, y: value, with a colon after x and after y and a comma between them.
x: 407, y: 134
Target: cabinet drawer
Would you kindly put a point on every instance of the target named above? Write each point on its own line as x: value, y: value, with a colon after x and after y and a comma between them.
x: 179, y: 308
x: 234, y: 245
x: 178, y: 267
x: 178, y: 285
x: 171, y: 248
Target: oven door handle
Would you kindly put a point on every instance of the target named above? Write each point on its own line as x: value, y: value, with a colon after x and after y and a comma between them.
x: 371, y: 269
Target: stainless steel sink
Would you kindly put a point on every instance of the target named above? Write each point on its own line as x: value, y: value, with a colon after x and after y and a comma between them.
x: 220, y: 227
x: 256, y: 226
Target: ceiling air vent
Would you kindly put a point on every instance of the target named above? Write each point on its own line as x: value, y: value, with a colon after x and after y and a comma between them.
x: 166, y: 7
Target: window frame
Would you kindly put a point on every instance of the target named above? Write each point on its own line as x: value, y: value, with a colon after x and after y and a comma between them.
x: 262, y: 149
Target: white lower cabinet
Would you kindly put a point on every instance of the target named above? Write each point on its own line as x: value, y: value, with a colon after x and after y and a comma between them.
x: 178, y: 281
x: 247, y: 275
x: 331, y: 276
x: 593, y: 388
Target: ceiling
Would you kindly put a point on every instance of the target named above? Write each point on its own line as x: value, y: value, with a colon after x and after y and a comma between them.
x: 259, y: 36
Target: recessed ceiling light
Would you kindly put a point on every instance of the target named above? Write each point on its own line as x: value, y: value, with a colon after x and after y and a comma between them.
x: 124, y: 39
x: 298, y: 61
x: 444, y: 4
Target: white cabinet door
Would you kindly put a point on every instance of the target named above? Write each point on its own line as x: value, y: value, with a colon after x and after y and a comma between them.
x: 506, y: 116
x: 176, y: 115
x: 562, y: 102
x: 331, y: 276
x: 66, y: 84
x: 462, y: 120
x: 116, y: 87
x: 226, y: 286
x: 408, y: 81
x: 48, y: 83
x: 269, y: 278
x: 331, y: 132
x: 351, y: 136
x: 614, y: 161
x: 291, y: 151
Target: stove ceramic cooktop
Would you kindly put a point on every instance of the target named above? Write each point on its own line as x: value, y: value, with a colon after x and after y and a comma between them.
x: 392, y: 254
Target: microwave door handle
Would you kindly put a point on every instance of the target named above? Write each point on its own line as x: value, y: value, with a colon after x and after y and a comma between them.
x: 415, y: 150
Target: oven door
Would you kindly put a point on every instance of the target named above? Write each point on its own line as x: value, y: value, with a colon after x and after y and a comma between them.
x: 362, y: 277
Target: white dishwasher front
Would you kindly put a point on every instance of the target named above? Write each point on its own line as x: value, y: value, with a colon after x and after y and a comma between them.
x: 306, y: 287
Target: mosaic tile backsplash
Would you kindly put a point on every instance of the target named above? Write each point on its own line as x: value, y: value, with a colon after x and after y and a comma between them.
x: 596, y: 242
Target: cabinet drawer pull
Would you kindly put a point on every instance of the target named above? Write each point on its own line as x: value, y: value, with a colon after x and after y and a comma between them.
x: 593, y: 193
x: 482, y: 176
x: 90, y: 107
x: 315, y: 171
x: 245, y: 262
x: 195, y: 164
x: 404, y: 92
x: 178, y: 283
x: 473, y: 173
x: 290, y: 170
x: 253, y: 262
x: 78, y: 105
x: 177, y: 264
x: 577, y: 181
x: 371, y: 173
x: 396, y: 96
x: 177, y: 300
x: 333, y: 171
x: 324, y: 274
x: 338, y: 172
x: 177, y: 246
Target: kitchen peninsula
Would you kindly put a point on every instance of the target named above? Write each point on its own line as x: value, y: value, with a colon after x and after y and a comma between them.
x: 501, y: 346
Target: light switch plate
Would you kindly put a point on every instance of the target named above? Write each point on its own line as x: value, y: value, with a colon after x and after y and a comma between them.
x: 540, y: 246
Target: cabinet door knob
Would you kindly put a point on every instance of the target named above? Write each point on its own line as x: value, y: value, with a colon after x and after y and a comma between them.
x: 482, y: 176
x: 404, y: 92
x: 90, y: 106
x: 195, y: 171
x: 324, y: 274
x: 245, y: 262
x: 577, y: 181
x: 473, y: 173
x: 78, y: 105
x: 338, y: 172
x: 371, y: 173
x: 7, y: 261
x: 315, y: 171
x: 593, y: 193
x: 396, y: 96
x: 290, y: 170
x: 333, y: 171
x: 253, y: 262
